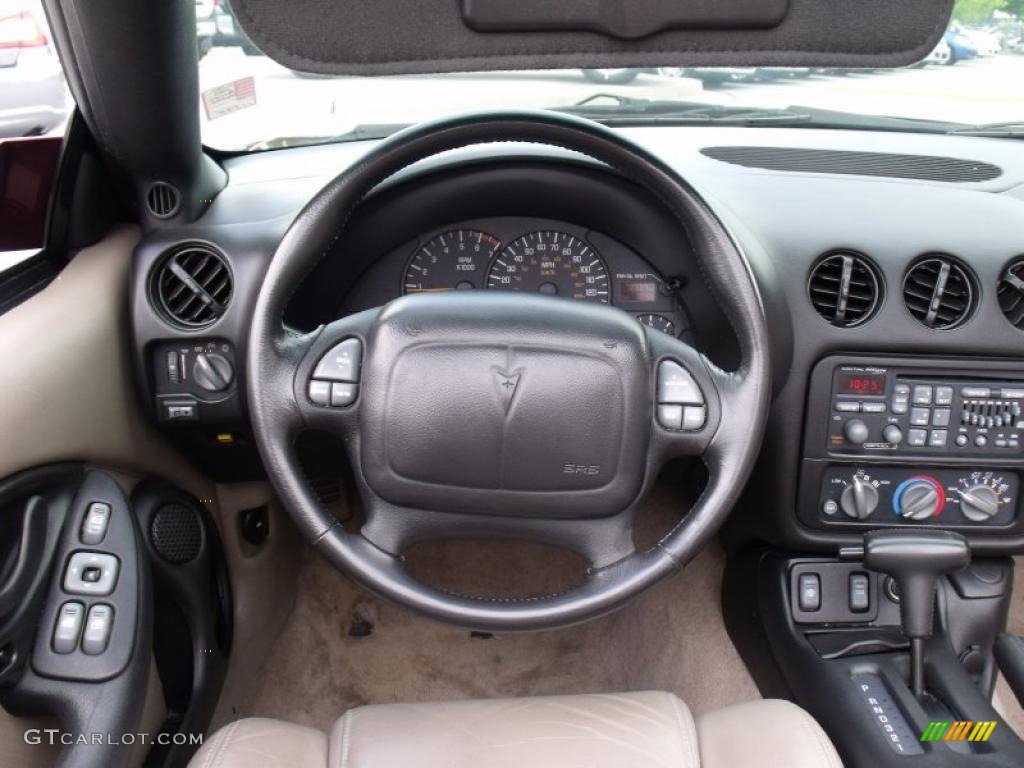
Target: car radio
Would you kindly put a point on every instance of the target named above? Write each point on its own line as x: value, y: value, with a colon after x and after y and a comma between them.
x: 883, y: 410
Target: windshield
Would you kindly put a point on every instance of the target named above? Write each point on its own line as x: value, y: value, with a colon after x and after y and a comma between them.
x: 973, y: 77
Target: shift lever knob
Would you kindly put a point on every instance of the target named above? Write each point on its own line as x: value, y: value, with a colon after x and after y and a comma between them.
x: 916, y: 559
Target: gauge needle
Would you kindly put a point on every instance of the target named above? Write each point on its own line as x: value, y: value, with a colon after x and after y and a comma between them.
x: 427, y: 290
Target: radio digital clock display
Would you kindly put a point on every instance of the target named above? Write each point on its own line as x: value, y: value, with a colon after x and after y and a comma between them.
x: 864, y: 384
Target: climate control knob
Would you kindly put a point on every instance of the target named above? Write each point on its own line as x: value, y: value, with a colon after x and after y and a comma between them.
x: 979, y: 502
x: 859, y: 498
x: 918, y: 498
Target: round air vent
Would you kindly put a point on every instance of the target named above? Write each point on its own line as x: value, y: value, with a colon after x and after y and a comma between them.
x: 192, y: 286
x: 1011, y: 294
x: 844, y: 288
x: 939, y: 292
x: 163, y: 200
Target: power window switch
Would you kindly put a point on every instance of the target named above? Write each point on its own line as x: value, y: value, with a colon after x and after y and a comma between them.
x: 809, y: 592
x: 94, y: 527
x: 97, y: 629
x: 68, y: 628
x: 860, y: 594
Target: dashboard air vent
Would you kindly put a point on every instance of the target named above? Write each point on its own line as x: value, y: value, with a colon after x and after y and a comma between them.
x: 163, y: 200
x: 886, y: 164
x: 192, y: 286
x: 844, y: 288
x: 1011, y: 294
x: 938, y: 292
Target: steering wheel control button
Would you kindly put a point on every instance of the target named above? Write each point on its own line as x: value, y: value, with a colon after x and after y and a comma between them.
x: 68, y: 628
x: 670, y: 416
x: 94, y: 527
x: 342, y: 393
x: 341, y: 363
x: 694, y: 417
x: 320, y: 392
x: 91, y: 573
x: 98, y: 627
x: 809, y: 592
x: 676, y: 385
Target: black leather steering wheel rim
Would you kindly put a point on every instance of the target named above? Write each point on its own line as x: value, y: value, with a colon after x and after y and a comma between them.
x: 276, y: 354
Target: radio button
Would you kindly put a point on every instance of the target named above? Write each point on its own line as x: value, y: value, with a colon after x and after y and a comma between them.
x: 975, y: 392
x: 901, y: 389
x: 940, y: 417
x: 1011, y: 394
x: 943, y: 395
x: 981, y: 441
x: 923, y: 394
x: 892, y: 434
x: 917, y: 437
x: 847, y: 406
x: 873, y: 407
x: 856, y: 431
x: 962, y: 440
x: 900, y: 404
x: 937, y: 438
x: 920, y: 417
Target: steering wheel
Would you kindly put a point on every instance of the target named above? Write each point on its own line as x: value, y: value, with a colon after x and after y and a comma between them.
x: 493, y: 413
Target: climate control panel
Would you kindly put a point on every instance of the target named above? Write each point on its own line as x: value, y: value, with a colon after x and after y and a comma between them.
x: 883, y: 495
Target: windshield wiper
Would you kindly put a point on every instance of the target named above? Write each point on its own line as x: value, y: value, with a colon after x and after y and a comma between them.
x: 1007, y: 130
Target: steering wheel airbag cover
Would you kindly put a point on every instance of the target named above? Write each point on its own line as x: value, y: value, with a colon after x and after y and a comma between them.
x: 504, y: 403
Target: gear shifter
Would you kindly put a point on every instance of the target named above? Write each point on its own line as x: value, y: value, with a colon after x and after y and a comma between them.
x: 916, y: 560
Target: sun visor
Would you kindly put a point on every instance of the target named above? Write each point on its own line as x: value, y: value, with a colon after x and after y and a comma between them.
x: 358, y: 37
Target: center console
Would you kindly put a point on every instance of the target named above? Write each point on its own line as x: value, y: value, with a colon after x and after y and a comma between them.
x: 910, y: 442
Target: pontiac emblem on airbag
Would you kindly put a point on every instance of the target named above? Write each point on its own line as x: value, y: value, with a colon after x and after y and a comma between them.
x: 507, y: 383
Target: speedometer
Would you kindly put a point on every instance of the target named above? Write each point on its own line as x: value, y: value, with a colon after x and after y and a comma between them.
x: 554, y: 263
x: 453, y: 260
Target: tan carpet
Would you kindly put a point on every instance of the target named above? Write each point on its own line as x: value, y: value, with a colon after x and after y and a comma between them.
x: 671, y: 638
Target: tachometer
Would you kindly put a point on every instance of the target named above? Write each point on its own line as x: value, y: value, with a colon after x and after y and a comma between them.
x: 554, y: 263
x: 453, y: 260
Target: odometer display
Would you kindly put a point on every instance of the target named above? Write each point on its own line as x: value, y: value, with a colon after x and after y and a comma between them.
x: 453, y: 260
x: 554, y: 263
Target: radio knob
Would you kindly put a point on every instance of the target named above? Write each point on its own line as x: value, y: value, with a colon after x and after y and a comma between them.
x: 918, y: 499
x: 979, y: 502
x: 855, y: 431
x: 859, y: 498
x: 892, y: 434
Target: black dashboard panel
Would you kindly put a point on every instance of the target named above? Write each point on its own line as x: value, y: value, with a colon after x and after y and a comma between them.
x: 783, y: 220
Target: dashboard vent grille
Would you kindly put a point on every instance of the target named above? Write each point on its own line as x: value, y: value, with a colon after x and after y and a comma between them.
x: 163, y: 200
x: 844, y: 289
x: 1011, y: 294
x: 897, y: 166
x: 193, y: 286
x: 939, y: 293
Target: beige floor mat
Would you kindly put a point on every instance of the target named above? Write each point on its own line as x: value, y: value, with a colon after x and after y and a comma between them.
x: 671, y: 638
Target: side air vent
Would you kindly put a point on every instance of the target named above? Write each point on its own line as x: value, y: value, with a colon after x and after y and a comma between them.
x: 919, y: 167
x: 192, y: 286
x: 844, y: 288
x: 939, y: 292
x: 1011, y: 294
x: 163, y: 200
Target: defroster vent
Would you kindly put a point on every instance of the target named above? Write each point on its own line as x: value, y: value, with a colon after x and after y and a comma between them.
x: 192, y: 286
x: 844, y: 288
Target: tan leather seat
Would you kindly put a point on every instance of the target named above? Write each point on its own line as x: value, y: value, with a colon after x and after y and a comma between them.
x: 632, y: 730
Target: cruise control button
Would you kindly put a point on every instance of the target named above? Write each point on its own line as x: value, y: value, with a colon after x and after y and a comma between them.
x: 320, y: 392
x: 670, y: 416
x: 94, y: 527
x: 341, y: 363
x: 676, y: 385
x: 343, y: 393
x: 68, y: 628
x: 97, y: 629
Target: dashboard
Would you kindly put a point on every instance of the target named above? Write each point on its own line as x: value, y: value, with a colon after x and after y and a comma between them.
x: 875, y: 288
x: 509, y: 253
